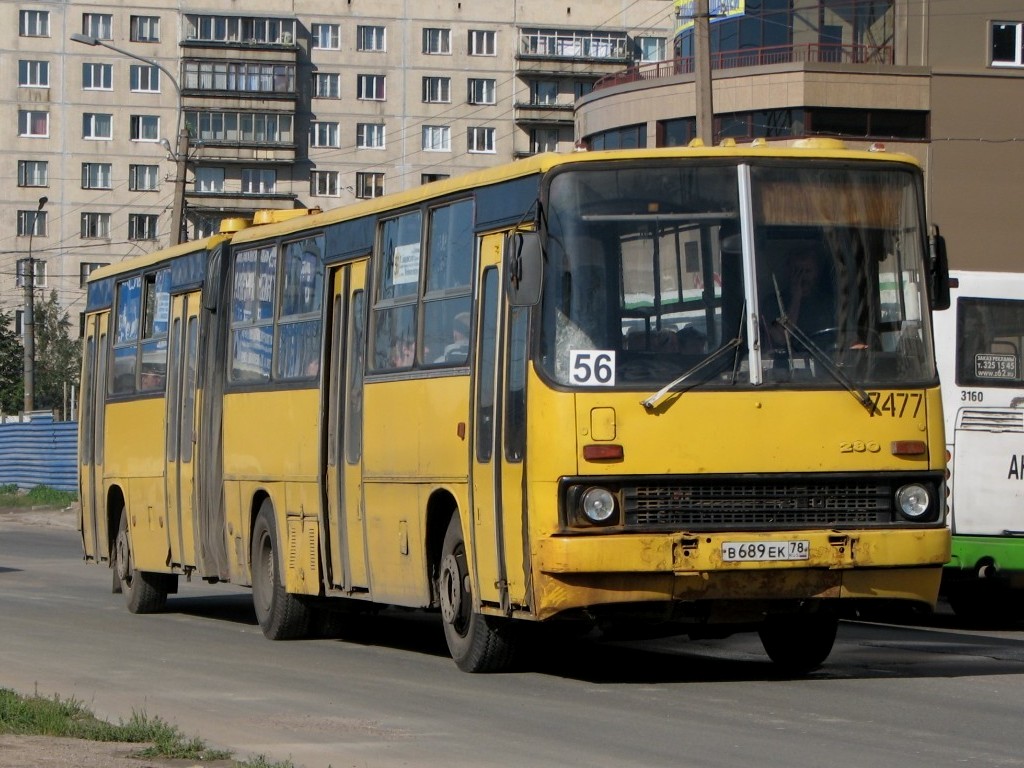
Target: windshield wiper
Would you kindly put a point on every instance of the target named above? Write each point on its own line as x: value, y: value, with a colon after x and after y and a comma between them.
x: 651, y: 403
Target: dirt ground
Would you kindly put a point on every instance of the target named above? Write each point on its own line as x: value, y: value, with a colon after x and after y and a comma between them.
x: 52, y: 752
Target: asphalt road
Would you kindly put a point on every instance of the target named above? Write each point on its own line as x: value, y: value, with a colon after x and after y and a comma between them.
x: 385, y: 694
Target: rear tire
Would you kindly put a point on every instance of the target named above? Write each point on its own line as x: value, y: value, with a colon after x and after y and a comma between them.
x: 476, y: 642
x: 144, y: 592
x: 281, y: 615
x: 799, y: 643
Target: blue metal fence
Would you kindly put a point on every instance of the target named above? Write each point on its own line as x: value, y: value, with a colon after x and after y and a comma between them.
x: 39, y: 452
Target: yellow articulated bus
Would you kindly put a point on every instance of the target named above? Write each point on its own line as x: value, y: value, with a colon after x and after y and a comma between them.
x: 684, y: 390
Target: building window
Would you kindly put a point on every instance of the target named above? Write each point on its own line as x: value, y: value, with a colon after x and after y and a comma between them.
x: 96, y: 176
x: 629, y: 137
x: 427, y: 178
x: 240, y: 29
x: 544, y: 93
x: 324, y: 134
x: 240, y: 127
x: 327, y: 85
x: 33, y: 173
x: 370, y: 38
x: 259, y: 181
x: 145, y: 128
x: 582, y: 88
x: 1007, y: 44
x: 326, y: 37
x: 437, y: 90
x: 34, y: 23
x: 37, y: 273
x: 95, y: 225
x: 209, y: 179
x: 145, y: 79
x: 544, y: 140
x: 239, y: 77
x: 370, y: 87
x: 482, y: 43
x: 32, y: 223
x: 481, y: 90
x: 650, y: 48
x: 86, y: 268
x: 145, y: 29
x: 480, y: 140
x: 437, y: 42
x: 33, y: 74
x: 33, y: 123
x: 98, y: 25
x: 97, y: 77
x: 369, y: 184
x: 142, y: 226
x: 370, y: 135
x: 325, y: 183
x: 437, y: 138
x: 143, y: 178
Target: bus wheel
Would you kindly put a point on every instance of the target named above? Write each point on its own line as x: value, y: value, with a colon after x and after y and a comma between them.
x: 477, y: 643
x: 799, y: 644
x: 281, y: 616
x: 143, y: 592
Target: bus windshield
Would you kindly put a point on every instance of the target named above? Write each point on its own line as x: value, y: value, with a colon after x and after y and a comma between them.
x: 746, y: 274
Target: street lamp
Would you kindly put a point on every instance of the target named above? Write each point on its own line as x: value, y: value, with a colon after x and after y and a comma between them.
x: 29, y: 324
x: 181, y: 154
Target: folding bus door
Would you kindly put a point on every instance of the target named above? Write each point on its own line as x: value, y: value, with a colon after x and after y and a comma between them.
x: 90, y: 439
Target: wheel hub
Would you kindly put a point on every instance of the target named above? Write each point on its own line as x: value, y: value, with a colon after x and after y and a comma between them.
x: 451, y: 589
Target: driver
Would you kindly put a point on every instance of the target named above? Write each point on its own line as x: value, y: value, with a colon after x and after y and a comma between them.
x: 805, y: 290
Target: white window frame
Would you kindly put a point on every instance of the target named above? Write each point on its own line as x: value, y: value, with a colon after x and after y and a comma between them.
x: 325, y: 183
x: 144, y: 128
x: 437, y: 89
x: 98, y: 25
x: 259, y: 181
x: 209, y: 179
x: 480, y: 140
x: 144, y: 177
x: 480, y: 88
x: 33, y: 173
x: 437, y: 138
x: 437, y: 41
x: 370, y: 136
x: 1018, y: 47
x: 27, y: 121
x: 33, y: 73
x: 544, y: 93
x: 95, y: 226
x: 483, y: 42
x: 649, y: 43
x: 144, y: 78
x: 38, y: 272
x: 369, y: 184
x: 32, y: 220
x: 93, y: 71
x: 369, y: 86
x: 143, y: 226
x: 144, y: 29
x: 371, y: 38
x: 325, y: 133
x: 326, y: 85
x: 93, y: 124
x: 325, y: 37
x: 97, y: 176
x: 34, y: 23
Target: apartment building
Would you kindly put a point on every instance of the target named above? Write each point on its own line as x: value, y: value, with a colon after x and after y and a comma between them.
x: 141, y: 125
x: 942, y: 80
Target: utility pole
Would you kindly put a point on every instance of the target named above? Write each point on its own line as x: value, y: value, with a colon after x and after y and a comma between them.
x: 705, y: 111
x: 29, y: 326
x: 180, y: 171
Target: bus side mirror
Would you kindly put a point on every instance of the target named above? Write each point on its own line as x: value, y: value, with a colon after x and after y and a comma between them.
x: 524, y: 267
x: 211, y: 288
x: 939, y: 269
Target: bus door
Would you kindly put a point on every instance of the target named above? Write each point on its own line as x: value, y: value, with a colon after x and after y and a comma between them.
x: 343, y: 382
x: 179, y: 473
x: 91, y: 422
x: 498, y: 434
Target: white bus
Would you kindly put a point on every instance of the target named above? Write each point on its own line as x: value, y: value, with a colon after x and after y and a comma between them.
x: 979, y: 341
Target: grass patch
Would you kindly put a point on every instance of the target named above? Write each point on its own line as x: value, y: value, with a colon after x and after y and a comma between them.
x: 39, y: 716
x: 40, y: 496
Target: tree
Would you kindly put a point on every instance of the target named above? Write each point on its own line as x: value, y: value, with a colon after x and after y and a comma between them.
x: 12, y: 367
x: 58, y: 356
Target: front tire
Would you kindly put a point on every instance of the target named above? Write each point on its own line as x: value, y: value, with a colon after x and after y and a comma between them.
x: 476, y: 642
x: 281, y: 615
x: 144, y: 592
x: 799, y: 643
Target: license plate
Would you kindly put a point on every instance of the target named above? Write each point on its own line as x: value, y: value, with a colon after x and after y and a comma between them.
x: 765, y: 551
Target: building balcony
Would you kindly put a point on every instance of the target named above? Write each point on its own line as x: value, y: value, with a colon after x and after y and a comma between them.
x: 243, y: 152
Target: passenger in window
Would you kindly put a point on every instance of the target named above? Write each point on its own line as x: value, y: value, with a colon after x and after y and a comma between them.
x: 403, y: 352
x: 458, y: 350
x: 690, y: 341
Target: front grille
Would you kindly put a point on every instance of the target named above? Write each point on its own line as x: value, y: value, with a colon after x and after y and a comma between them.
x: 781, y: 504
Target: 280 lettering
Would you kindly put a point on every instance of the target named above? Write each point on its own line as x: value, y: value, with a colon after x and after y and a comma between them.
x: 896, y: 404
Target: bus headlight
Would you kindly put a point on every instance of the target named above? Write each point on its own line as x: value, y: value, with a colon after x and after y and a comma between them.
x: 913, y: 500
x: 597, y: 505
